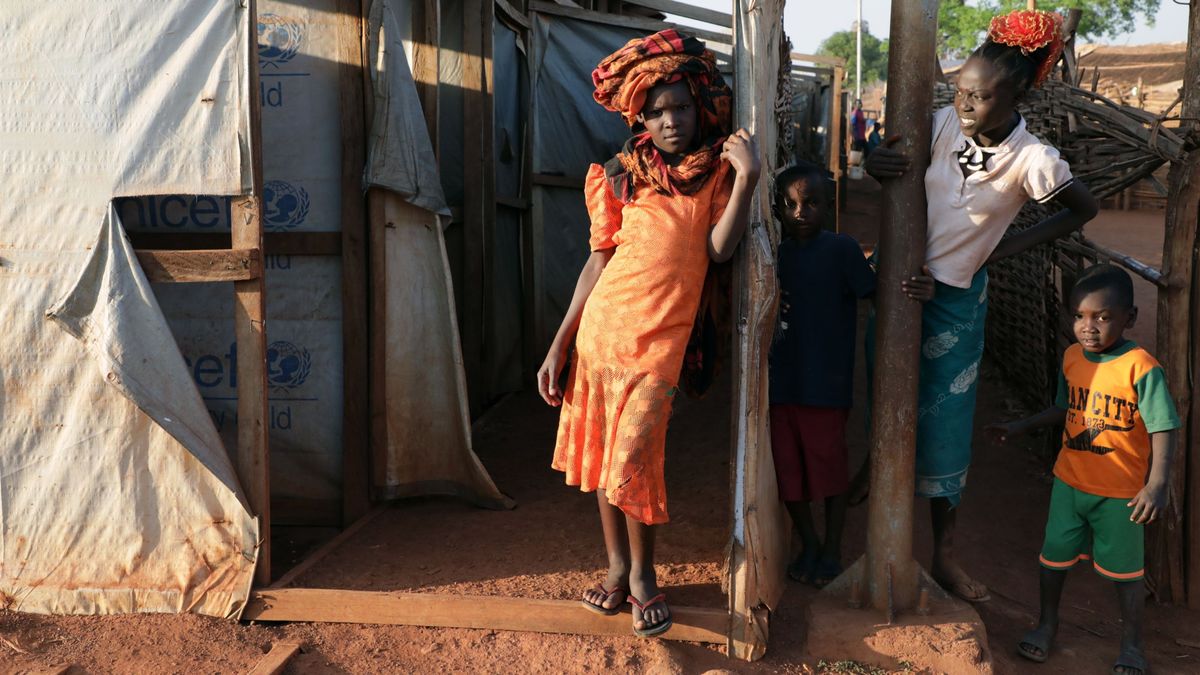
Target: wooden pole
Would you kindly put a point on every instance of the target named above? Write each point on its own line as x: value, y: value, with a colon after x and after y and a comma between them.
x: 1190, y: 212
x: 250, y: 331
x: 835, y: 142
x: 356, y: 386
x: 891, y: 572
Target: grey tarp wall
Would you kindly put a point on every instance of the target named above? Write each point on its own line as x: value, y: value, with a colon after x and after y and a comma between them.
x: 117, y: 494
x: 570, y: 131
x: 297, y: 55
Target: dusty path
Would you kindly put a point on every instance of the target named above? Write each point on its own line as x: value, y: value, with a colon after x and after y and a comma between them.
x: 549, y: 546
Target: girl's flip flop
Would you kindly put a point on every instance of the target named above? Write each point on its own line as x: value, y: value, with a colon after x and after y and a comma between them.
x: 600, y: 608
x: 658, y: 628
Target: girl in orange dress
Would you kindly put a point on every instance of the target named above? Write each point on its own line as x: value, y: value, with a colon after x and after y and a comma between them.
x: 674, y: 198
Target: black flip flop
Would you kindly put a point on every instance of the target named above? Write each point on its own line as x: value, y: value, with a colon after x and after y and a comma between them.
x: 1037, y: 640
x: 825, y: 572
x: 658, y: 628
x: 1131, y: 657
x: 802, y: 568
x: 600, y: 608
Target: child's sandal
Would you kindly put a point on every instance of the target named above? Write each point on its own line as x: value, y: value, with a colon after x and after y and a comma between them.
x: 600, y: 608
x: 1037, y: 640
x: 1132, y: 659
x: 656, y: 629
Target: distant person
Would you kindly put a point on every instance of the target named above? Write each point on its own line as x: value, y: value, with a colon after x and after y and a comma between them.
x: 858, y: 127
x: 822, y: 275
x: 1112, y: 473
x: 985, y: 166
x: 676, y: 197
x: 874, y: 135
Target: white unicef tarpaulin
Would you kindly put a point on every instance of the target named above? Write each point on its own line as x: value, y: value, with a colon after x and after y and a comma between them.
x: 116, y: 494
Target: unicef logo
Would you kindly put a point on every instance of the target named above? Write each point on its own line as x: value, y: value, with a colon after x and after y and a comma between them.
x: 278, y: 40
x: 284, y: 205
x: 287, y: 365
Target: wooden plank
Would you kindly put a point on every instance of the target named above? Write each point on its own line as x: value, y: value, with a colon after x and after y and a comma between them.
x: 551, y: 180
x: 328, y: 547
x: 475, y: 250
x: 1191, y: 450
x: 513, y: 14
x: 641, y: 23
x: 426, y: 22
x: 356, y: 483
x: 274, y: 243
x: 276, y: 659
x: 200, y: 266
x: 832, y: 61
x: 835, y: 143
x: 722, y: 19
x: 692, y: 624
x: 250, y: 319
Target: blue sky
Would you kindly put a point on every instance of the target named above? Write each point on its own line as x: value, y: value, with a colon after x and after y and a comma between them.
x: 808, y: 22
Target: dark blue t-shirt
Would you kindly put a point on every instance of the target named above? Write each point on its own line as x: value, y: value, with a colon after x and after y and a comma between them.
x: 812, y: 359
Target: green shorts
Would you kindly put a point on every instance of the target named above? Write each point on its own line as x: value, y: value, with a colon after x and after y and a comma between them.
x: 1084, y: 526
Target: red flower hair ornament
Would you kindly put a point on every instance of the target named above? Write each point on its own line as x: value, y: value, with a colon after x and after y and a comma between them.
x: 1030, y: 30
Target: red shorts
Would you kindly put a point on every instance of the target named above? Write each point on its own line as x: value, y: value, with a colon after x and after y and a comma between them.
x: 809, y: 444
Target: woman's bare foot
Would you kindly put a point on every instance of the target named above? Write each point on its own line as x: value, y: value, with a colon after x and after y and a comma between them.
x: 957, y: 582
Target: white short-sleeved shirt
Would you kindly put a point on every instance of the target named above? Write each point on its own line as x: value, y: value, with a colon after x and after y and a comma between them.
x: 969, y: 215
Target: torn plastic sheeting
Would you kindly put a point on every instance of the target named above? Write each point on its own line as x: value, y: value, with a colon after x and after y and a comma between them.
x: 399, y: 153
x: 116, y: 493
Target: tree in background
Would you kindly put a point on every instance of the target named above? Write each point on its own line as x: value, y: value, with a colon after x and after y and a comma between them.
x: 962, y: 25
x: 874, y: 51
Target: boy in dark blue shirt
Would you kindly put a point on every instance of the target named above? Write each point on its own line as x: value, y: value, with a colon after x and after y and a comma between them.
x: 822, y: 275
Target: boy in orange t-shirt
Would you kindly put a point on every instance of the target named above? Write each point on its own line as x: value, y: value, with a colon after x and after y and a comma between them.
x: 1112, y: 472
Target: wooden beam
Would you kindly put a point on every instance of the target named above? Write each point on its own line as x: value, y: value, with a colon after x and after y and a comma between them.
x: 552, y: 180
x: 641, y: 23
x: 1185, y: 205
x: 201, y: 266
x: 274, y: 243
x: 426, y: 30
x: 692, y: 624
x: 250, y: 322
x: 835, y: 143
x: 276, y: 660
x: 328, y: 547
x: 832, y: 61
x: 475, y: 235
x: 722, y: 19
x: 356, y: 484
x: 513, y: 14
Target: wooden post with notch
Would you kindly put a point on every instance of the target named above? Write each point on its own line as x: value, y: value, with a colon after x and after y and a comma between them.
x: 250, y: 331
x: 355, y: 388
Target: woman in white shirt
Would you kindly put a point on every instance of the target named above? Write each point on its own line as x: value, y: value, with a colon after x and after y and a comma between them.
x: 985, y: 165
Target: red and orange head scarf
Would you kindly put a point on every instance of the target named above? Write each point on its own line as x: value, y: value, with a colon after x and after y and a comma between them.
x: 622, y: 81
x: 1030, y: 30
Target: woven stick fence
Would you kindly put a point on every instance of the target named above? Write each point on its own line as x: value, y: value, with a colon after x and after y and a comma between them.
x: 1110, y: 147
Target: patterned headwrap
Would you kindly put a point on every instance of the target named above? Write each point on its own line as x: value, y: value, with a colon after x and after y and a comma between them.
x: 622, y: 82
x: 1030, y: 30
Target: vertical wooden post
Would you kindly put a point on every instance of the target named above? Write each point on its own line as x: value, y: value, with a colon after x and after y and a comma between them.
x: 426, y: 22
x: 355, y: 380
x: 476, y: 201
x: 250, y: 330
x: 1189, y: 211
x: 835, y: 142
x: 891, y: 572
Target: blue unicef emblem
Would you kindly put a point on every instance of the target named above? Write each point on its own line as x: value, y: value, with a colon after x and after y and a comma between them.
x: 278, y: 40
x: 285, y: 206
x: 287, y: 365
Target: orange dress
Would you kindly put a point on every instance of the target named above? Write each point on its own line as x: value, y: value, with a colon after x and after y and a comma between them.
x: 632, y: 337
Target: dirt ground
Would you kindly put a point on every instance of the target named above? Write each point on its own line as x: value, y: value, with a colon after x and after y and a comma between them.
x: 550, y: 547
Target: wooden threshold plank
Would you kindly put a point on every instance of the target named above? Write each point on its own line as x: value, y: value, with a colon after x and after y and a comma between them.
x: 239, y: 264
x: 329, y: 547
x: 691, y: 624
x: 274, y: 243
x: 276, y: 659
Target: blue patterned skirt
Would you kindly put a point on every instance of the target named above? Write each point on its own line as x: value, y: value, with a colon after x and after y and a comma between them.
x: 952, y: 327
